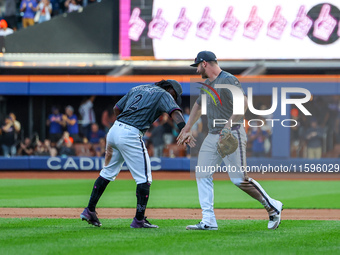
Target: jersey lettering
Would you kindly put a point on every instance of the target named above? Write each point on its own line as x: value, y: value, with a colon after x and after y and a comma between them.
x: 134, y: 105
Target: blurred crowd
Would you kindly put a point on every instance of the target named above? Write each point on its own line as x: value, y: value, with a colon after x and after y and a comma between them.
x: 75, y: 131
x: 160, y: 139
x: 18, y: 14
x: 318, y: 135
x: 313, y: 137
x: 69, y: 134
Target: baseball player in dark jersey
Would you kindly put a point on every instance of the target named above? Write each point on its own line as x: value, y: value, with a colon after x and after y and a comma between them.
x: 136, y: 111
x: 208, y: 68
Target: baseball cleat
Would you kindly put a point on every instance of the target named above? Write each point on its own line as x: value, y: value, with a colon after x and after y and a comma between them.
x: 200, y: 226
x: 142, y: 223
x: 90, y: 217
x: 275, y: 220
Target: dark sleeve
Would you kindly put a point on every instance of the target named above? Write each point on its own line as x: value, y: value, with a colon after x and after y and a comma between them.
x: 121, y: 103
x: 167, y: 104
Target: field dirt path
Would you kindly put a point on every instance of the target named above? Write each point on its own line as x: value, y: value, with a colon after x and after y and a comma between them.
x: 128, y: 213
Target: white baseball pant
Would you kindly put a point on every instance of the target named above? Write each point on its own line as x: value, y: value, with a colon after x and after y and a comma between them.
x: 126, y: 144
x: 208, y: 156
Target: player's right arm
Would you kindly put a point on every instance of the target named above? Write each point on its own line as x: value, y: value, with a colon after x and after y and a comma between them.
x: 116, y: 111
x: 179, y: 120
x: 119, y: 107
x: 195, y: 114
x: 168, y: 104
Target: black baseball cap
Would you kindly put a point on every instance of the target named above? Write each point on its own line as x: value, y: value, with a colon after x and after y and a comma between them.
x: 178, y: 89
x: 204, y: 56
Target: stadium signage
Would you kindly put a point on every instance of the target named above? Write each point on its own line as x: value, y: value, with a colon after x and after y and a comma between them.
x: 84, y: 163
x: 238, y: 104
x: 238, y: 101
x: 88, y: 163
x: 244, y: 29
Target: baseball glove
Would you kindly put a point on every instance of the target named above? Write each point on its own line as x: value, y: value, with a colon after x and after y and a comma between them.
x: 227, y: 143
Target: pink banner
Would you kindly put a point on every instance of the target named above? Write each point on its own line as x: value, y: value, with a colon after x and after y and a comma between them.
x: 124, y: 17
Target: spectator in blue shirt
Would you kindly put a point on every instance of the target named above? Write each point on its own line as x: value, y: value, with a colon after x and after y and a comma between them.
x: 96, y: 133
x: 314, y: 135
x: 28, y: 7
x: 55, y: 122
x: 70, y: 120
x: 258, y: 137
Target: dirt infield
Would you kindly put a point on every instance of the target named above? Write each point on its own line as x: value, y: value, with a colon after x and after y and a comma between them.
x: 111, y: 213
x: 128, y: 213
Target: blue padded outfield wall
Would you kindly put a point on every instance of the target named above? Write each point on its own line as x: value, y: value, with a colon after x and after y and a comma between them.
x: 106, y: 86
x: 109, y: 86
x: 296, y: 165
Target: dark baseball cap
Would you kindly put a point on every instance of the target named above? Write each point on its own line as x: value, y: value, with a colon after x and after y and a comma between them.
x: 178, y: 89
x: 204, y: 56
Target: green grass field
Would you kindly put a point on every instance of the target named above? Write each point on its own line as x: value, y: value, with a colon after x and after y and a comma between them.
x: 164, y: 194
x: 72, y: 236
x: 66, y: 236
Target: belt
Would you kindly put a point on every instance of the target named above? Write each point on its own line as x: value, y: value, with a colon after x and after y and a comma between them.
x: 127, y: 126
x: 233, y: 128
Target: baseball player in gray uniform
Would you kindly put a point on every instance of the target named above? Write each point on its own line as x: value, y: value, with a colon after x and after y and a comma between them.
x: 209, y: 69
x: 136, y: 111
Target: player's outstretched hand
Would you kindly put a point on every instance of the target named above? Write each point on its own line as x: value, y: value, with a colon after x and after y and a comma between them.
x: 190, y: 141
x: 186, y: 137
